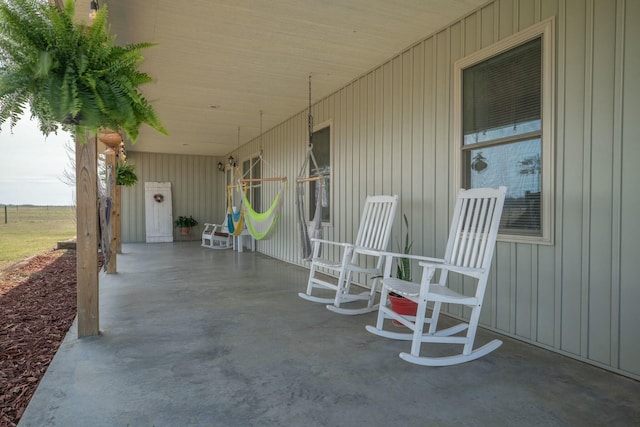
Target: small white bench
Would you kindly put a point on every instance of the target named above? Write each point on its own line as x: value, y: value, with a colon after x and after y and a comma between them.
x: 216, y: 236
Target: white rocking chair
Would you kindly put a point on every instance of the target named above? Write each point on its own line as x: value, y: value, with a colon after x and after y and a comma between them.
x: 216, y: 236
x: 469, y: 251
x: 361, y: 257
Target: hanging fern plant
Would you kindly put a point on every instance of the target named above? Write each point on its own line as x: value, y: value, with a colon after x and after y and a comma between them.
x: 125, y: 174
x: 69, y: 74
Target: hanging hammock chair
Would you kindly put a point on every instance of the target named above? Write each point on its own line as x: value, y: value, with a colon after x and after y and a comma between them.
x: 235, y: 213
x: 314, y: 229
x: 261, y: 225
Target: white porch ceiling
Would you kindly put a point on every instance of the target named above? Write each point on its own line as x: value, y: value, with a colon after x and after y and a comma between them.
x: 244, y: 56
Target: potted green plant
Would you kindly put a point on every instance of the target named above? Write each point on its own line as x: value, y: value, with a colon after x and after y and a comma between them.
x: 185, y: 223
x: 403, y: 269
x: 125, y: 174
x: 400, y: 304
x: 70, y: 74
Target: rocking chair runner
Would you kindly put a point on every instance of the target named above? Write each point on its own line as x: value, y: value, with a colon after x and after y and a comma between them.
x: 469, y: 251
x: 373, y: 236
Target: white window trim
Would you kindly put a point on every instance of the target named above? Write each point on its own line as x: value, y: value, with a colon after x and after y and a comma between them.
x: 546, y: 29
x: 316, y: 127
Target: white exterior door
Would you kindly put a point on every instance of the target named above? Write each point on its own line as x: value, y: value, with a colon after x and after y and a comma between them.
x: 158, y: 212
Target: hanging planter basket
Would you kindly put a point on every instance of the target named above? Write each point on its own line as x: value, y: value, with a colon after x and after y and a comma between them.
x: 110, y: 138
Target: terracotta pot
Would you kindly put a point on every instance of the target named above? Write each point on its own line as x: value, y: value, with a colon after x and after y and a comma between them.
x: 110, y: 138
x: 185, y: 230
x: 402, y: 306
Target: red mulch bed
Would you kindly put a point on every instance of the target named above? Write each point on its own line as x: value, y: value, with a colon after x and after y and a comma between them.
x: 37, y: 307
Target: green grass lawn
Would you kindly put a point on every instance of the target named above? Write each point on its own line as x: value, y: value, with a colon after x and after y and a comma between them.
x: 33, y: 229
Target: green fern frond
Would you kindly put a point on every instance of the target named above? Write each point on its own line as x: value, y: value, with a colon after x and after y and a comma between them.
x: 69, y: 74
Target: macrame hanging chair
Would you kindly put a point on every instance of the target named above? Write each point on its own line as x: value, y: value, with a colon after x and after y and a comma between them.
x: 261, y: 225
x: 235, y: 212
x: 235, y: 205
x: 314, y: 228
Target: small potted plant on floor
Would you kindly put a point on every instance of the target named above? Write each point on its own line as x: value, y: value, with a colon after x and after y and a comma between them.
x: 400, y: 304
x: 185, y: 223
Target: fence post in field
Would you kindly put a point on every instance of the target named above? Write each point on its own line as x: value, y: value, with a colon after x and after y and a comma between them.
x: 5, y: 214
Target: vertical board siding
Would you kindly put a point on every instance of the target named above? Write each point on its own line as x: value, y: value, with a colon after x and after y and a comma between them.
x: 630, y: 197
x: 545, y: 298
x: 601, y: 183
x: 454, y: 51
x: 572, y: 237
x: 391, y: 134
x: 524, y: 291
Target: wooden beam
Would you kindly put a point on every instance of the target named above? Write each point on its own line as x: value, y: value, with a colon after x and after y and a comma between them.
x: 312, y: 178
x: 280, y: 179
x: 87, y: 236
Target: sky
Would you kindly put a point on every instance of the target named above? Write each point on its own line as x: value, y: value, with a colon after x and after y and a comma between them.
x: 32, y: 166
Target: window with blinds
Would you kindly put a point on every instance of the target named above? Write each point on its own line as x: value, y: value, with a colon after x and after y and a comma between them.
x: 502, y: 132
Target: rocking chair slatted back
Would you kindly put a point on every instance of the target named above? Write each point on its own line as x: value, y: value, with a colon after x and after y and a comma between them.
x: 472, y: 240
x: 376, y: 222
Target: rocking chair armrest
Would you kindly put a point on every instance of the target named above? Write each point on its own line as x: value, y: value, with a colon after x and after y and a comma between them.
x: 467, y: 271
x: 367, y: 251
x: 389, y: 256
x: 331, y: 242
x: 400, y: 255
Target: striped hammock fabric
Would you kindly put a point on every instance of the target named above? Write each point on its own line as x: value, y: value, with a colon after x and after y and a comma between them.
x: 261, y: 225
x: 235, y: 216
x: 314, y: 228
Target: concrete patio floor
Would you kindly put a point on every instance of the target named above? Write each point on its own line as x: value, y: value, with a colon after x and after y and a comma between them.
x: 199, y: 337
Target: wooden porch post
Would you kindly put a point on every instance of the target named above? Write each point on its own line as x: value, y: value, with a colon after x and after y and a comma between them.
x: 87, y: 236
x: 116, y: 219
x: 110, y: 162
